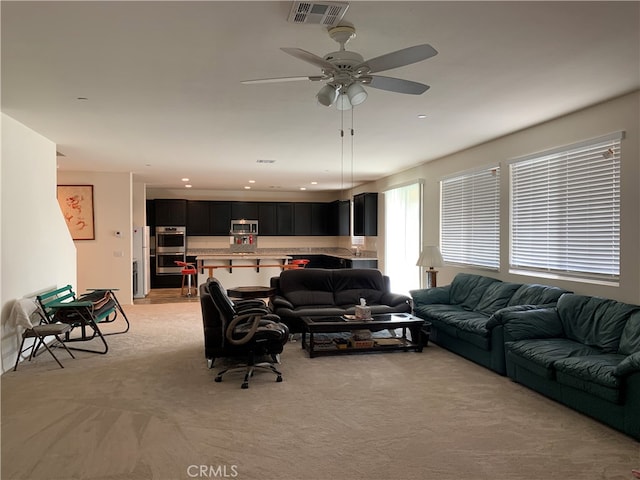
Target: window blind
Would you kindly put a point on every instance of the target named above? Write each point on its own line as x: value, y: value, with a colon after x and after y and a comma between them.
x: 565, y: 211
x: 470, y: 219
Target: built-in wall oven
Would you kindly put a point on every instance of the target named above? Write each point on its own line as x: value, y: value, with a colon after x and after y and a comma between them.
x: 171, y: 246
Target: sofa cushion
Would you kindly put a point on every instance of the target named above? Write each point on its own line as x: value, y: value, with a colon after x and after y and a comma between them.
x: 593, y: 374
x: 349, y: 286
x: 540, y: 355
x: 630, y: 339
x: 496, y: 296
x: 459, y: 319
x: 307, y: 287
x: 467, y: 289
x: 535, y: 294
x: 594, y: 321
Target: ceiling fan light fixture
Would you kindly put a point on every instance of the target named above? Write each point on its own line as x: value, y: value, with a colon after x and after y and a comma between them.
x: 327, y: 95
x: 343, y: 102
x: 356, y: 94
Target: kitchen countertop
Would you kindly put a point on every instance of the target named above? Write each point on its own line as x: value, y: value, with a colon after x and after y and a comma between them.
x: 241, y: 256
x: 281, y: 254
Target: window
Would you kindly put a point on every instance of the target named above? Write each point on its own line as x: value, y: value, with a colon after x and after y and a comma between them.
x: 470, y: 219
x: 565, y: 211
x: 402, y: 236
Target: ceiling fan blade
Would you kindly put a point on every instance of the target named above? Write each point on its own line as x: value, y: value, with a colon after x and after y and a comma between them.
x: 310, y: 58
x: 397, y: 85
x: 399, y: 58
x: 316, y: 78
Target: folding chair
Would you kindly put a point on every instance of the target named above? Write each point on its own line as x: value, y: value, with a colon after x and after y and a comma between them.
x: 22, y: 312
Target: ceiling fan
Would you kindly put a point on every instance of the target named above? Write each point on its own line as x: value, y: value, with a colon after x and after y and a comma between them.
x: 345, y: 72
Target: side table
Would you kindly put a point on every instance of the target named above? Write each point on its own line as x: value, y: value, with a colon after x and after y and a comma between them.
x: 251, y: 292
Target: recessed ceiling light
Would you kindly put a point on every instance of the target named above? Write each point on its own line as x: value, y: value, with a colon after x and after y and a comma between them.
x: 247, y: 187
x: 303, y: 188
x: 187, y: 186
x: 185, y: 179
x: 314, y: 183
x: 422, y: 115
x: 252, y: 181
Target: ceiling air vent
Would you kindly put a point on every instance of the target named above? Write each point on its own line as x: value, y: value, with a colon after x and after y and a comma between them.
x: 318, y: 13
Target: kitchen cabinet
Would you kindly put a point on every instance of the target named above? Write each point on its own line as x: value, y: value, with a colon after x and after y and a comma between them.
x: 219, y: 218
x: 198, y: 219
x: 245, y: 210
x: 320, y: 219
x: 267, y: 219
x: 213, y: 218
x: 284, y: 218
x: 365, y: 214
x: 170, y: 212
x: 301, y: 218
x: 313, y: 218
x: 344, y: 218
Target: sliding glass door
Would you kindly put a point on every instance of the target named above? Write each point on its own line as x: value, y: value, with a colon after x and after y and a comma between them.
x: 403, y: 231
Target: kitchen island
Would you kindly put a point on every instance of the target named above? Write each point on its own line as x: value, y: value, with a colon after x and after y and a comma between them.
x: 234, y: 269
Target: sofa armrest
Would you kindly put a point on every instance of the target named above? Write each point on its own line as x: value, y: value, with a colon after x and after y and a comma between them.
x: 430, y: 296
x: 281, y: 302
x: 628, y: 366
x: 529, y: 324
x: 394, y: 299
x: 500, y: 317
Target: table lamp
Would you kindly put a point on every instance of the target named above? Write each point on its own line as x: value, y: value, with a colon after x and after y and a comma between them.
x: 430, y: 257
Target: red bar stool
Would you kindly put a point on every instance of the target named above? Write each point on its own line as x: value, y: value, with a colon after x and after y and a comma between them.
x: 188, y: 270
x: 299, y: 263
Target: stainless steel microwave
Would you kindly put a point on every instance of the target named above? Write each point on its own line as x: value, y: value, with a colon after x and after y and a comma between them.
x: 244, y: 227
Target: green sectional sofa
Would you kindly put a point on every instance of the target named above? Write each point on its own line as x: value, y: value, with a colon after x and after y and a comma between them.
x: 466, y: 315
x: 584, y: 353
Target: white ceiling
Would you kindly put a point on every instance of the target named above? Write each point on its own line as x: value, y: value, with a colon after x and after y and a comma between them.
x: 164, y: 98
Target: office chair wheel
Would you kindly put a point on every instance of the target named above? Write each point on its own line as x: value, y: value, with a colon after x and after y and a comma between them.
x: 279, y: 379
x: 245, y: 385
x: 217, y: 379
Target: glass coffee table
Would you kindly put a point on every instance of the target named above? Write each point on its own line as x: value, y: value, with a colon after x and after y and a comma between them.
x: 340, y: 335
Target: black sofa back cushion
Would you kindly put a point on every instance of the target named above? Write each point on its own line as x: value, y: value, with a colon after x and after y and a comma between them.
x: 350, y: 285
x: 307, y: 286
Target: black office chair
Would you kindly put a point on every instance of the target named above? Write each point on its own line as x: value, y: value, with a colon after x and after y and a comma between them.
x: 243, y: 329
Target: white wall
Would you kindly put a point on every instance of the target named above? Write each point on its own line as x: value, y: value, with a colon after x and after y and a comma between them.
x: 618, y: 114
x: 37, y: 251
x: 106, y: 262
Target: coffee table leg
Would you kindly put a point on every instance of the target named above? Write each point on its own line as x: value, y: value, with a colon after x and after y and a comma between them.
x: 416, y: 337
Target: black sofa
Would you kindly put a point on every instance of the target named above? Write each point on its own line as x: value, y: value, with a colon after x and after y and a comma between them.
x: 319, y: 292
x: 465, y: 315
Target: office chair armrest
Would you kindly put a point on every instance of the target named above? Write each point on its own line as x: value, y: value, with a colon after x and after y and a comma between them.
x: 242, y: 305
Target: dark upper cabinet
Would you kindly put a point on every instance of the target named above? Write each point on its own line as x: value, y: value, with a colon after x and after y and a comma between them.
x: 302, y: 218
x: 219, y: 218
x: 170, y: 212
x: 151, y: 216
x: 213, y: 218
x: 365, y: 214
x: 321, y: 219
x: 344, y: 218
x: 267, y: 219
x: 284, y: 218
x: 198, y: 222
x: 245, y: 210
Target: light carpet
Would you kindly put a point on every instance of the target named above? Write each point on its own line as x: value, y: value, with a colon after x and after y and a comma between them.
x: 149, y: 409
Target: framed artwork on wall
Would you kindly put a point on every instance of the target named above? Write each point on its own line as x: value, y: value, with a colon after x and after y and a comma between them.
x: 76, y: 203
